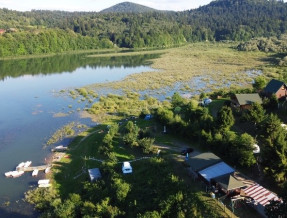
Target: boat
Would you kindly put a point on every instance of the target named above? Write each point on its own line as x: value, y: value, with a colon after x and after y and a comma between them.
x: 44, y: 185
x: 16, y: 174
x: 8, y: 174
x: 60, y: 148
x: 43, y: 181
x: 47, y: 170
x: 27, y: 163
x: 20, y: 165
x: 35, y: 172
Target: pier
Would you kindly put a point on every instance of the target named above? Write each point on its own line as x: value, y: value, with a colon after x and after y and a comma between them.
x: 27, y: 169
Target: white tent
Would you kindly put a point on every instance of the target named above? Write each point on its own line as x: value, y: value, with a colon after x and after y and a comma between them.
x: 216, y: 170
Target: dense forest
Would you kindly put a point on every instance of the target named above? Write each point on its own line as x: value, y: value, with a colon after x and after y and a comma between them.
x: 40, y: 32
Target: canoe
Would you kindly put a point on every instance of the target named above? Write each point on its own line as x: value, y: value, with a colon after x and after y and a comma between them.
x: 27, y: 163
x: 47, y: 170
x: 43, y: 181
x: 8, y: 174
x: 35, y: 172
x: 16, y: 174
x: 22, y: 164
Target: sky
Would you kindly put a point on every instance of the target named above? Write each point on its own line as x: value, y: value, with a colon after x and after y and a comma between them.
x: 98, y: 5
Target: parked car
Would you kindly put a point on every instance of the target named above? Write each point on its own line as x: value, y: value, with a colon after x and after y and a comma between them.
x: 206, y: 101
x: 186, y: 151
x: 127, y: 168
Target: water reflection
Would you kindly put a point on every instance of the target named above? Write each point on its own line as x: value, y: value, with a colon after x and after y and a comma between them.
x: 67, y: 63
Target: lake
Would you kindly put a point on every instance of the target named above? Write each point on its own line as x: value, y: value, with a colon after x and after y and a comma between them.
x: 29, y: 101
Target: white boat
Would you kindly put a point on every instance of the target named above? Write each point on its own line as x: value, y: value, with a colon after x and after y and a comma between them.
x: 27, y: 163
x: 20, y: 165
x: 35, y: 172
x: 43, y: 181
x: 8, y: 174
x: 44, y: 185
x: 256, y: 149
x: 15, y: 174
x: 60, y: 148
x: 47, y: 170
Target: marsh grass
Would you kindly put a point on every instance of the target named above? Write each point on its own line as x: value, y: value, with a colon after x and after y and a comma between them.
x: 66, y: 131
x: 217, y: 64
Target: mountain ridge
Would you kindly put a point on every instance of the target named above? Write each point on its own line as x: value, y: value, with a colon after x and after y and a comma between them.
x: 128, y: 7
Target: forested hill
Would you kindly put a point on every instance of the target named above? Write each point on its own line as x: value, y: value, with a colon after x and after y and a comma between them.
x: 39, y: 32
x: 240, y: 19
x: 128, y: 7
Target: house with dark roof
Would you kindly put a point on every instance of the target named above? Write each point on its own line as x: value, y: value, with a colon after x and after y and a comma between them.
x: 200, y: 162
x: 244, y: 101
x: 276, y: 87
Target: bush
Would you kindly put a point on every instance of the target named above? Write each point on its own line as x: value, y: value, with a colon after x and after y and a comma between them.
x: 146, y: 144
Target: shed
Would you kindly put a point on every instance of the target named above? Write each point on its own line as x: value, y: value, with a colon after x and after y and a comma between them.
x: 228, y: 182
x: 216, y: 170
x: 202, y: 161
x: 244, y: 101
x: 275, y: 87
x: 94, y: 174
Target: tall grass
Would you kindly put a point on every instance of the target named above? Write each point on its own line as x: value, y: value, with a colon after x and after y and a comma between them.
x: 216, y: 63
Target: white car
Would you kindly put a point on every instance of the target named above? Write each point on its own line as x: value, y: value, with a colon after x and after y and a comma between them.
x: 127, y: 168
x: 206, y: 101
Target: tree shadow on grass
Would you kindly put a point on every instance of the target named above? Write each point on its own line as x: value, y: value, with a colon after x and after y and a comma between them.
x: 273, y: 59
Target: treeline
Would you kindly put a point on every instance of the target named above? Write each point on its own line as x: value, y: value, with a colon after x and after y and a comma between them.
x: 47, y: 41
x: 220, y: 20
x: 270, y: 44
x: 217, y: 133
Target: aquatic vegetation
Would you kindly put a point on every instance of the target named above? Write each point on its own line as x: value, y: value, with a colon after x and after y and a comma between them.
x: 65, y: 131
x: 194, y: 68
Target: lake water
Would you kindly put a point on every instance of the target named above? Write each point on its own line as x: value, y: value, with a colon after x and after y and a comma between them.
x: 28, y: 106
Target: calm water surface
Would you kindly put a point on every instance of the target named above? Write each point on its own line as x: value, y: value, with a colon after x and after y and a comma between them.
x: 28, y: 103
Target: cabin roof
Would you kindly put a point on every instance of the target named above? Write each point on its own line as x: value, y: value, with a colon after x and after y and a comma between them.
x: 216, y: 170
x: 203, y: 161
x: 248, y: 99
x: 273, y: 86
x: 229, y: 182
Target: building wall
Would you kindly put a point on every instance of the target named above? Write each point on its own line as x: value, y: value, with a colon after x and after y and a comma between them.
x: 281, y: 92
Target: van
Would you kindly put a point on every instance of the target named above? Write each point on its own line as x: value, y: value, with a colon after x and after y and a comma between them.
x: 127, y: 168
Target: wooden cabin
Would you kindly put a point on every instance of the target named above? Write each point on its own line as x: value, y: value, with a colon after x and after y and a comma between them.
x: 276, y: 87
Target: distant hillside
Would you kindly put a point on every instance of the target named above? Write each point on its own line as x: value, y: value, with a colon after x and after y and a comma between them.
x: 139, y: 26
x: 128, y: 7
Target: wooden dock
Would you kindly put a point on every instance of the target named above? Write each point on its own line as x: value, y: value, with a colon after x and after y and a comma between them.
x: 27, y: 169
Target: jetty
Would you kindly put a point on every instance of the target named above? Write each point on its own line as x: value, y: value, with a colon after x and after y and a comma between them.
x: 28, y: 169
